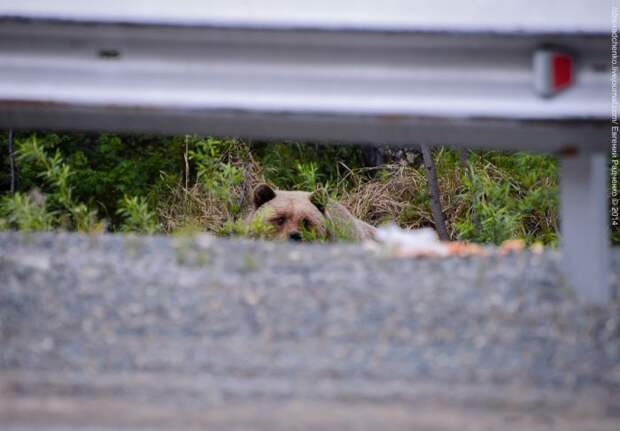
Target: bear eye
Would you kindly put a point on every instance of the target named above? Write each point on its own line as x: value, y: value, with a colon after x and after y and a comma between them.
x: 280, y: 220
x: 306, y: 224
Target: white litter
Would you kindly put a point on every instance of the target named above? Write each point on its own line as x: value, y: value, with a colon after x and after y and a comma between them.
x: 416, y: 242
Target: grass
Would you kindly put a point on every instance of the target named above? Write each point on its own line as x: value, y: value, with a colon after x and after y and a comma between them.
x: 188, y: 184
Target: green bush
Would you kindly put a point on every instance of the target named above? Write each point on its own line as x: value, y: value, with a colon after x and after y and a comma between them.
x: 509, y: 196
x: 58, y: 206
x: 104, y: 168
x: 216, y: 170
x: 25, y: 212
x: 64, y: 210
x: 294, y: 166
x: 137, y: 215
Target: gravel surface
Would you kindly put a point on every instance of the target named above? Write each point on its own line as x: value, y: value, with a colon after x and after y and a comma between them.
x: 255, y: 335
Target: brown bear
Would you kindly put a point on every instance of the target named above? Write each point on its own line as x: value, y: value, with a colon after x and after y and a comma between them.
x: 297, y: 216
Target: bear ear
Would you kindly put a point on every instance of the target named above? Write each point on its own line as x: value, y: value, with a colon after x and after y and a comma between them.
x: 319, y: 199
x: 262, y: 194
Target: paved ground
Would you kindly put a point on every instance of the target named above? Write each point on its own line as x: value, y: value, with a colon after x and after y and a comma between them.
x: 130, y: 333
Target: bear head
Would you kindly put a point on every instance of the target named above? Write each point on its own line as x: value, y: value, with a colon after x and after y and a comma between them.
x: 290, y: 214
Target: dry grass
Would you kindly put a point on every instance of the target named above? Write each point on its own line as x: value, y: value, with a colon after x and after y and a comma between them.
x: 196, y: 207
x: 398, y: 193
x: 385, y: 194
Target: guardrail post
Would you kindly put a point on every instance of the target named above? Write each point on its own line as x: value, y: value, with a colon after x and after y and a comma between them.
x: 584, y: 225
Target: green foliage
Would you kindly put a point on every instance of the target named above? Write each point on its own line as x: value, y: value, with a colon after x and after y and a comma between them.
x: 25, y: 212
x: 216, y: 170
x: 256, y: 228
x: 308, y: 174
x: 58, y: 205
x: 294, y: 166
x: 311, y: 235
x: 104, y: 168
x: 137, y: 216
x: 341, y: 231
x: 509, y: 196
x: 188, y: 183
x: 55, y: 173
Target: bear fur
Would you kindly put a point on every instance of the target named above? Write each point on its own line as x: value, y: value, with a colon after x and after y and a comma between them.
x: 294, y: 214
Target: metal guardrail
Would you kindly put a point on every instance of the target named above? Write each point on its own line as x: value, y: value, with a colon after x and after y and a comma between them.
x: 404, y: 74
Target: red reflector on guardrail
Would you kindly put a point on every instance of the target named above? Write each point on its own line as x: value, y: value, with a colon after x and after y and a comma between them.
x: 553, y: 71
